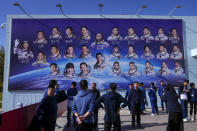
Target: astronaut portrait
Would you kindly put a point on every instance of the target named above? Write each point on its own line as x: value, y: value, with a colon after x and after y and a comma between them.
x: 148, y: 69
x: 115, y: 37
x: 178, y: 69
x: 147, y: 53
x: 25, y: 55
x: 69, y: 70
x: 133, y: 69
x: 55, y: 37
x: 54, y: 69
x: 40, y: 41
x: 85, y: 35
x: 131, y: 37
x: 147, y: 37
x: 163, y: 54
x: 131, y: 53
x: 100, y: 62
x: 161, y: 37
x: 176, y: 53
x: 84, y: 52
x: 115, y: 53
x: 173, y: 36
x: 116, y: 68
x: 69, y: 52
x: 41, y: 60
x: 55, y: 53
x: 85, y: 70
x: 164, y: 69
x: 70, y: 36
x: 99, y: 42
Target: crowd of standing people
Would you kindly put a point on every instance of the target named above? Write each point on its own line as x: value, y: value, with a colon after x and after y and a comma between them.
x: 84, y: 104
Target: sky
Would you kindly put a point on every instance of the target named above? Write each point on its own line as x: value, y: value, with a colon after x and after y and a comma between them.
x: 85, y: 7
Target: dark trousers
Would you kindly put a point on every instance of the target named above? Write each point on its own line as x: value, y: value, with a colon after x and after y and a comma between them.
x: 108, y: 125
x: 154, y: 106
x: 136, y: 112
x: 69, y: 116
x: 84, y: 127
x: 175, y: 121
x: 162, y: 103
x: 184, y: 107
x: 95, y: 118
x: 193, y: 105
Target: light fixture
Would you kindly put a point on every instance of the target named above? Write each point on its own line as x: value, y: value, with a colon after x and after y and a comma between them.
x: 178, y: 6
x: 100, y: 8
x: 140, y: 9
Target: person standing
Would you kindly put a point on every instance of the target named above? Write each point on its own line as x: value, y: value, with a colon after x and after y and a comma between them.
x: 71, y: 93
x: 112, y: 101
x: 96, y: 94
x: 193, y: 101
x: 175, y: 118
x: 184, y: 95
x: 161, y: 89
x: 144, y: 101
x: 134, y: 101
x: 153, y: 98
x: 83, y: 107
x: 128, y: 90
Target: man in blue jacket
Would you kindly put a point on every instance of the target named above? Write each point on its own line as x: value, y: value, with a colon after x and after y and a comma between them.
x: 129, y: 90
x: 153, y: 98
x: 184, y: 97
x: 144, y: 101
x: 193, y: 101
x: 161, y: 89
x: 71, y: 93
x: 83, y: 107
x: 112, y: 101
x: 134, y: 102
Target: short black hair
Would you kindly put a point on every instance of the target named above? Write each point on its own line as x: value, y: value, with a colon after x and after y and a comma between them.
x: 161, y: 81
x: 116, y: 63
x: 40, y: 52
x: 130, y: 84
x: 131, y: 63
x: 54, y: 46
x: 83, y: 27
x: 53, y: 83
x: 84, y: 46
x: 113, y: 86
x: 142, y: 83
x: 115, y: 47
x: 94, y: 84
x: 70, y: 28
x: 83, y: 84
x: 98, y: 54
x: 186, y: 81
x: 146, y: 46
x: 69, y: 65
x: 114, y: 28
x: 152, y: 84
x: 135, y: 82
x: 83, y: 63
x: 146, y: 28
x: 192, y: 84
x: 53, y: 64
x: 69, y: 46
x: 55, y: 28
x: 74, y: 83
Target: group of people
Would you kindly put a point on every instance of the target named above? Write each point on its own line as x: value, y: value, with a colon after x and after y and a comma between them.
x: 83, y: 105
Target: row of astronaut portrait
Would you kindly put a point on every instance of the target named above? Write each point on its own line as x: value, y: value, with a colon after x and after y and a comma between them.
x: 85, y: 69
x: 25, y: 55
x: 115, y: 37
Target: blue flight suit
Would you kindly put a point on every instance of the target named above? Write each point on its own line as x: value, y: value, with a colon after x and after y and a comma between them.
x: 153, y: 99
x: 184, y: 101
x: 112, y: 101
x: 143, y: 98
x: 193, y: 100
x: 71, y: 92
x: 160, y: 93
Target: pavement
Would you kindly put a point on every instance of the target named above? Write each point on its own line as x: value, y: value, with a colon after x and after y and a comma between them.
x: 149, y: 122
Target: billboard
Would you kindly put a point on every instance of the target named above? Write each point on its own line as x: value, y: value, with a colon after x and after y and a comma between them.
x: 98, y: 50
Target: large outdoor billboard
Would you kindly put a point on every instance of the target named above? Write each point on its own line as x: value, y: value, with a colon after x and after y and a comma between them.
x: 99, y: 50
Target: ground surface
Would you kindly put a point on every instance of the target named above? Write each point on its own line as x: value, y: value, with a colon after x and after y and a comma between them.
x: 149, y: 123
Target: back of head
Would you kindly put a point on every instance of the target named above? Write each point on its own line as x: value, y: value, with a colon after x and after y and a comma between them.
x: 113, y: 86
x: 52, y: 83
x: 170, y: 88
x: 74, y: 84
x: 83, y: 84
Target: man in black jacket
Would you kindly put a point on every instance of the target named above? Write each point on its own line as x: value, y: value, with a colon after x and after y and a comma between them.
x: 112, y: 101
x: 134, y: 103
x: 96, y: 94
